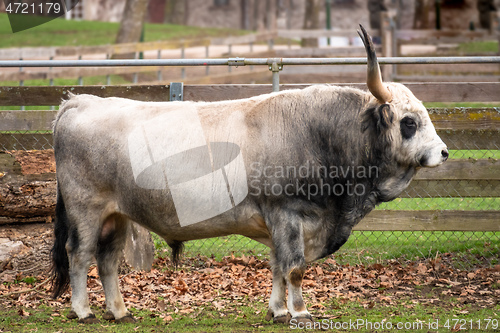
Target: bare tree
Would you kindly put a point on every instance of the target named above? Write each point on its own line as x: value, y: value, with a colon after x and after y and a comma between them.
x: 132, y: 21
x: 311, y: 21
x: 422, y: 9
x: 375, y: 7
x: 175, y: 11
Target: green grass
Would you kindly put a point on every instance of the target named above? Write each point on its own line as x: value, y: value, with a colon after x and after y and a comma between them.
x: 442, y: 204
x: 461, y: 105
x: 61, y: 32
x: 474, y: 154
x: 88, y: 80
x: 479, y: 47
x: 470, y: 248
x: 243, y: 316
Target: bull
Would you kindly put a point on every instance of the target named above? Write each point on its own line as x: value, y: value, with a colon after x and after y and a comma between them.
x: 294, y: 170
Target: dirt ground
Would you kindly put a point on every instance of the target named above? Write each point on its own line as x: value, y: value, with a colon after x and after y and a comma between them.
x: 201, y: 279
x: 35, y: 161
x: 25, y: 257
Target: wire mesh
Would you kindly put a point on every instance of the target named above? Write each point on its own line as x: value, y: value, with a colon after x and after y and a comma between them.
x: 463, y: 249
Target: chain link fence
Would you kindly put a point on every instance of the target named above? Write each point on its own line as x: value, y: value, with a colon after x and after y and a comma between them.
x: 463, y: 249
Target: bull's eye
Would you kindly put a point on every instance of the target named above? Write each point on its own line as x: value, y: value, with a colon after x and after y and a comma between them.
x: 408, y: 127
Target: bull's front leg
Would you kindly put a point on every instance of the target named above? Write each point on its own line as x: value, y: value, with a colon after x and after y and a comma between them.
x: 289, y: 267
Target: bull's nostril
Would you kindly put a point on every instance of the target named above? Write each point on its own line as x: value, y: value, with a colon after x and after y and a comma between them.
x: 444, y: 154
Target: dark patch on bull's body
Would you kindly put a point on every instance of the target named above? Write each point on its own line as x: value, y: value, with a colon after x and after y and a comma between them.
x: 350, y: 139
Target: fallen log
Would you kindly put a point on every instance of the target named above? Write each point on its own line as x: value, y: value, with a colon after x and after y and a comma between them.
x: 27, y: 186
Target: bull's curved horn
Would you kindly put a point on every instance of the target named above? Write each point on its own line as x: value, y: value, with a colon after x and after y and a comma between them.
x: 374, y: 78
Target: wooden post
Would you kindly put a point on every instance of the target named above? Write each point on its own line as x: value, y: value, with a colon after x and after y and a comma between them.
x: 387, y: 49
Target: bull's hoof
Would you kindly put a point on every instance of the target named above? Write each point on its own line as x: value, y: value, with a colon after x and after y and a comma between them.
x: 128, y: 319
x: 269, y: 315
x: 72, y: 315
x: 284, y: 319
x: 91, y: 319
x: 108, y: 315
x: 303, y: 321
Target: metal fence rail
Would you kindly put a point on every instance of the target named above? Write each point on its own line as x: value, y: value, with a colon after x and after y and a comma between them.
x: 275, y: 64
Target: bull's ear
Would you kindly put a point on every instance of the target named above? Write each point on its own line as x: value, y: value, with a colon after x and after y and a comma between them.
x: 385, y: 116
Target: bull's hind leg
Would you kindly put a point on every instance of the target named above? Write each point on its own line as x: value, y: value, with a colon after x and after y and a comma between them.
x: 288, y: 242
x: 277, y: 303
x: 80, y: 248
x: 109, y: 251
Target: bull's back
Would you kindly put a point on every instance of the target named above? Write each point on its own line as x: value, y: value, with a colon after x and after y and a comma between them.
x: 92, y: 136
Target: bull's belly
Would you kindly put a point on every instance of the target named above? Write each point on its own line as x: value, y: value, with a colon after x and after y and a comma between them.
x: 164, y: 221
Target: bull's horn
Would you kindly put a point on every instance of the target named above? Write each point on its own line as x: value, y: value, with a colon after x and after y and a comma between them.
x: 374, y: 78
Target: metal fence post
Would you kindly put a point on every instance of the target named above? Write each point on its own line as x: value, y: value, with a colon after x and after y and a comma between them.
x: 276, y: 67
x: 21, y: 82
x: 160, y: 77
x: 136, y: 75
x: 51, y: 81
x: 207, y: 68
x: 176, y: 91
x: 108, y: 77
x: 183, y: 69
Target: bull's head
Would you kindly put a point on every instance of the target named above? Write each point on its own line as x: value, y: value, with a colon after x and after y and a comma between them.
x: 402, y: 118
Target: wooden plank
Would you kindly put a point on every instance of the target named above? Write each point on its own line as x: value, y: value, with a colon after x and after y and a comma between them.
x: 42, y: 121
x: 244, y: 39
x: 74, y: 51
x: 425, y: 220
x: 462, y: 169
x: 26, y: 120
x: 427, y: 92
x: 442, y: 77
x: 465, y: 118
x: 44, y: 95
x: 299, y: 33
x: 24, y: 206
x: 312, y: 52
x: 408, y: 35
x: 456, y: 91
x: 125, y: 48
x: 17, y: 53
x: 452, y: 189
x: 75, y: 72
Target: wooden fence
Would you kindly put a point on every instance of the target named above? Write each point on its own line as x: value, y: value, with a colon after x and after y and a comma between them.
x: 32, y: 197
x: 392, y: 41
x: 78, y: 52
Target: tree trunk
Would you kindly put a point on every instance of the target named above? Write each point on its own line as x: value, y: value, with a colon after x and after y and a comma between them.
x: 175, y: 12
x: 311, y: 21
x: 375, y: 7
x: 131, y: 24
x: 422, y: 8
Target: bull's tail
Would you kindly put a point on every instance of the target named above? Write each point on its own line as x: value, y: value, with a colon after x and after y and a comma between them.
x: 177, y: 248
x: 60, y: 262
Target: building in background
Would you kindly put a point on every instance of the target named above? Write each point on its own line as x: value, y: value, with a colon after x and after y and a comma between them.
x: 290, y: 14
